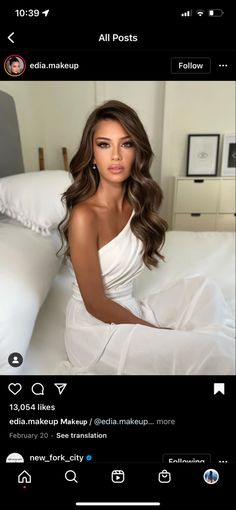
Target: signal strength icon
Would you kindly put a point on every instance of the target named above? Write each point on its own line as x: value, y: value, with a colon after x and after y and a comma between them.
x: 187, y: 13
x: 200, y: 13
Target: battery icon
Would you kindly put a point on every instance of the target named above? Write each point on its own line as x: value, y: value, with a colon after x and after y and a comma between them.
x: 216, y: 12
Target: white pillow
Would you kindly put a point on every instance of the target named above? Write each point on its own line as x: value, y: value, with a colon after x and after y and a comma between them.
x: 34, y: 198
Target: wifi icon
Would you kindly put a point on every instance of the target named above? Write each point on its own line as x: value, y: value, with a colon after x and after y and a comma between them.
x: 200, y: 13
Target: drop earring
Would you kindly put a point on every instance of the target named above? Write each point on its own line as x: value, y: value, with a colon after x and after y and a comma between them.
x: 94, y: 167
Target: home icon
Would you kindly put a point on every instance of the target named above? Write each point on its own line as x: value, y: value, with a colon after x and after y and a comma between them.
x: 24, y: 477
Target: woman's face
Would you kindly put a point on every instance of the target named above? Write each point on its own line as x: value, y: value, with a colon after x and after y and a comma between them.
x: 15, y: 68
x: 113, y: 150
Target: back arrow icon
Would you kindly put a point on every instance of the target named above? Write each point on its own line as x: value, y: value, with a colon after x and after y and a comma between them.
x: 9, y: 37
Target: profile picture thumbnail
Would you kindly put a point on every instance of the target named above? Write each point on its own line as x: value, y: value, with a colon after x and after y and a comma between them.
x: 15, y: 65
x: 211, y: 476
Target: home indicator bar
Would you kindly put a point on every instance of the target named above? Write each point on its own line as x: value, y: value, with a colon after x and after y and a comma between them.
x: 117, y: 504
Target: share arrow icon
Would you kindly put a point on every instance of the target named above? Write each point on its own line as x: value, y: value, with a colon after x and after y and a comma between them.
x: 60, y: 387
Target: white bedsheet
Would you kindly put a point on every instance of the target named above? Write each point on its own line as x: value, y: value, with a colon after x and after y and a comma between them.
x: 187, y: 253
x: 28, y: 265
x: 47, y: 348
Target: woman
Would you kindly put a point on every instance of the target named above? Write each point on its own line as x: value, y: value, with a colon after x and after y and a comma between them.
x: 14, y: 65
x: 112, y: 230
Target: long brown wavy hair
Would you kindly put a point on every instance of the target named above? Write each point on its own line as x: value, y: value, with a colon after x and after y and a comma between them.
x: 142, y: 192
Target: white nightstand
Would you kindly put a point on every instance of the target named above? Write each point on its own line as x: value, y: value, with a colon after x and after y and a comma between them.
x: 204, y: 203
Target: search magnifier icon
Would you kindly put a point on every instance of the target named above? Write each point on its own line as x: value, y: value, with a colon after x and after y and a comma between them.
x: 70, y: 476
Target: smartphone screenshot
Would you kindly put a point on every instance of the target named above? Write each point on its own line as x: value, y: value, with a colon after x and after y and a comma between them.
x: 117, y: 257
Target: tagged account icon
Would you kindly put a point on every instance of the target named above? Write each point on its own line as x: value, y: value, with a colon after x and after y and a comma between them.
x: 164, y: 476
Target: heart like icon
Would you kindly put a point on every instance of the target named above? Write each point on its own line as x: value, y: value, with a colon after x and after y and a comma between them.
x: 14, y: 388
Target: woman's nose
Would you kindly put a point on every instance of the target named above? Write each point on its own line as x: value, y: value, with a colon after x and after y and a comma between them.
x: 116, y: 154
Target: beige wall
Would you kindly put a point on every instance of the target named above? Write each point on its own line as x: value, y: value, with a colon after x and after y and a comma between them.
x: 52, y: 115
x: 62, y: 109
x: 191, y: 108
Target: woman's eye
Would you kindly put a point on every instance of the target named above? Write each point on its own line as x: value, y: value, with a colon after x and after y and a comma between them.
x: 103, y: 145
x: 128, y: 144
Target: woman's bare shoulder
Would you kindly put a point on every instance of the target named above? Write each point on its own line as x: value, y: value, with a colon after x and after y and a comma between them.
x: 83, y: 217
x: 83, y: 214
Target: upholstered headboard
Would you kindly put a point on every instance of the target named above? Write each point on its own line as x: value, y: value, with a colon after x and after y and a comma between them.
x: 11, y: 160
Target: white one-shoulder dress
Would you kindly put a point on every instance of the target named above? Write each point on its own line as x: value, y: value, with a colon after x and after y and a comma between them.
x: 201, y: 341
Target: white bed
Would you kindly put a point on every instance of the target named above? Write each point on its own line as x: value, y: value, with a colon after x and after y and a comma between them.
x: 209, y: 253
x: 30, y: 209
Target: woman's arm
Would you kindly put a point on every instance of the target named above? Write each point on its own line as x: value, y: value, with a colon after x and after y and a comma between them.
x: 83, y: 237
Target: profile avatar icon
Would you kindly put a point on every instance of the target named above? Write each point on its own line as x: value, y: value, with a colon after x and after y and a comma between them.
x: 15, y: 359
x: 211, y: 476
x: 15, y: 65
x: 15, y: 457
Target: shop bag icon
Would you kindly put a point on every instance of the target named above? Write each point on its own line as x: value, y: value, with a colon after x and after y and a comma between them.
x: 164, y: 476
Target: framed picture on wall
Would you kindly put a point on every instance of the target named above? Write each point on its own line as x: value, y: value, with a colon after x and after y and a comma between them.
x: 228, y: 165
x: 203, y: 153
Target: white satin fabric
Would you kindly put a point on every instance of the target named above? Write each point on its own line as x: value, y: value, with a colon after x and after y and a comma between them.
x: 201, y: 341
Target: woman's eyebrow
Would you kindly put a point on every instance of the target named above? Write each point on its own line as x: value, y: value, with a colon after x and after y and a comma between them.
x: 109, y: 139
